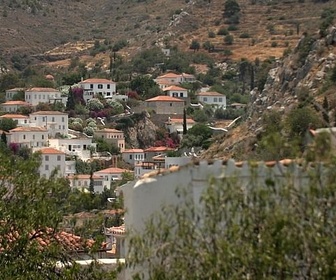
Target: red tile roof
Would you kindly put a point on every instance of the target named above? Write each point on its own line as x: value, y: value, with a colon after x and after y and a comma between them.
x: 51, y: 151
x: 133, y: 151
x: 169, y: 75
x: 13, y: 102
x: 82, y: 177
x: 113, y: 170
x: 14, y: 116
x: 29, y: 129
x: 41, y: 89
x: 162, y: 98
x: 42, y: 113
x: 174, y: 88
x: 210, y: 93
x: 97, y: 81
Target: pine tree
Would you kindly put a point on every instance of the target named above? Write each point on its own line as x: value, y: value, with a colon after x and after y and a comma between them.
x: 70, y: 105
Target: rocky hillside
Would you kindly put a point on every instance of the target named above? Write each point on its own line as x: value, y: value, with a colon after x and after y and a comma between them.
x: 304, y: 74
x: 46, y: 31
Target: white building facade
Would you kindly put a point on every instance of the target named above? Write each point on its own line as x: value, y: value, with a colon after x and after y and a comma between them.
x: 133, y: 156
x: 94, y: 86
x: 31, y: 137
x: 56, y: 122
x: 13, y: 106
x: 213, y: 98
x: 37, y: 95
x: 52, y: 161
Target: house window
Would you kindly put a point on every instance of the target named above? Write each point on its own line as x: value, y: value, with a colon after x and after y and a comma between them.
x: 46, y: 167
x: 46, y: 158
x: 181, y: 94
x: 215, y: 99
x: 108, y: 93
x: 91, y: 86
x: 33, y: 136
x: 108, y: 86
x: 42, y: 137
x: 100, y: 86
x: 62, y: 119
x: 171, y: 104
x: 58, y: 158
x: 130, y: 156
x: 205, y: 99
x: 24, y: 136
x: 220, y: 99
x: 53, y: 119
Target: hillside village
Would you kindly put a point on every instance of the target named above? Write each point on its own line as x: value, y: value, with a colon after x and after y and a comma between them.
x: 53, y: 133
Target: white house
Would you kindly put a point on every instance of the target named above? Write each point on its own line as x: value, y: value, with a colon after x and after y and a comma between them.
x: 21, y: 120
x: 82, y: 182
x: 177, y: 161
x: 174, y: 79
x: 52, y: 161
x: 142, y: 168
x: 13, y: 106
x: 78, y: 146
x: 212, y: 98
x: 151, y: 152
x: 176, y: 91
x: 37, y: 95
x: 133, y: 156
x: 30, y: 137
x: 95, y: 86
x: 175, y: 125
x: 109, y: 175
x: 148, y: 195
x: 56, y: 122
x: 10, y: 93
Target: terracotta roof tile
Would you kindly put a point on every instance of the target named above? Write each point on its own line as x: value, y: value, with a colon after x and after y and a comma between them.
x: 109, y: 130
x: 174, y: 88
x: 179, y: 121
x: 29, y: 129
x: 14, y: 116
x: 169, y: 75
x: 210, y: 93
x: 113, y: 170
x: 162, y: 98
x: 15, y: 102
x: 42, y: 113
x: 51, y: 151
x: 97, y: 80
x: 41, y: 89
x: 15, y: 89
x: 158, y: 149
x: 82, y: 177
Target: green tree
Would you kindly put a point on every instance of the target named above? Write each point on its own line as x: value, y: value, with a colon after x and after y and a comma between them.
x: 145, y: 86
x: 71, y: 103
x: 7, y: 124
x: 231, y: 11
x: 228, y: 39
x: 195, y: 45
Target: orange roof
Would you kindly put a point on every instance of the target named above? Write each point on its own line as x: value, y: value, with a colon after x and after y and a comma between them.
x: 162, y: 98
x: 29, y: 129
x: 133, y: 151
x: 113, y: 170
x: 210, y: 93
x: 169, y: 75
x: 14, y: 116
x: 41, y: 89
x: 13, y: 102
x: 174, y: 88
x: 42, y: 113
x: 51, y: 151
x: 97, y: 81
x: 164, y: 82
x: 158, y: 149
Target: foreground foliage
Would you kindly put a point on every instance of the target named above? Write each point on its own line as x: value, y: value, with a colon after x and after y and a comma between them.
x: 267, y: 228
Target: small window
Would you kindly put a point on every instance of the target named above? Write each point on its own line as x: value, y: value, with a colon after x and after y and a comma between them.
x: 53, y: 119
x: 205, y: 99
x: 62, y: 119
x: 181, y: 94
x: 171, y: 104
x: 130, y: 157
x: 42, y: 137
x: 108, y: 86
x: 46, y: 158
x: 24, y: 136
x: 220, y: 99
x: 91, y: 86
x: 46, y: 167
x: 58, y: 158
x: 215, y: 99
x: 100, y: 86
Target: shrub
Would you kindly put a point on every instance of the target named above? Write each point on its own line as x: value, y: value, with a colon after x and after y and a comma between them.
x: 232, y: 27
x: 244, y: 35
x: 228, y: 39
x: 222, y: 31
x: 211, y: 34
